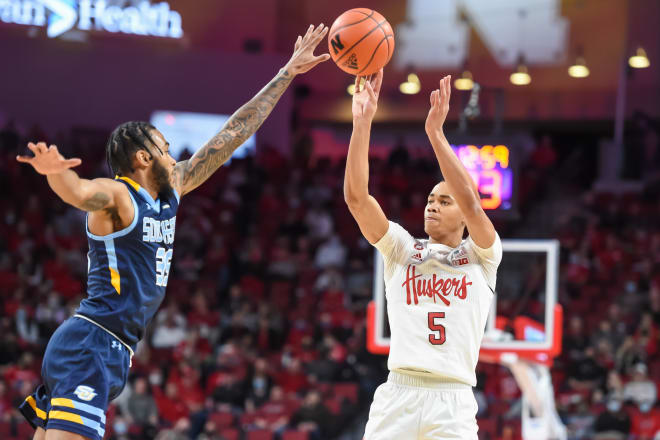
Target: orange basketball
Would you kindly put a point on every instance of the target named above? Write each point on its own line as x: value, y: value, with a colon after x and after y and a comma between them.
x: 361, y: 41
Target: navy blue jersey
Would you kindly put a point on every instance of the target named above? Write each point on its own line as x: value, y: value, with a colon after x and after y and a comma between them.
x: 128, y: 269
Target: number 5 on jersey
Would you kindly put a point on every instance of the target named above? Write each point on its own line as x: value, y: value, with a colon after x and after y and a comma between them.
x: 436, y: 339
x: 163, y: 261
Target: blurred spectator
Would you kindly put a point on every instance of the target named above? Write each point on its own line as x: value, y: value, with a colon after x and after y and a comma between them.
x: 259, y: 385
x: 575, y: 339
x: 180, y: 431
x: 645, y: 423
x: 544, y: 156
x: 613, y: 423
x: 580, y: 422
x: 169, y: 404
x: 293, y: 379
x: 170, y: 329
x: 142, y: 409
x: 314, y: 417
x: 330, y: 253
x: 319, y: 222
x: 275, y: 413
x: 640, y: 389
x: 587, y: 374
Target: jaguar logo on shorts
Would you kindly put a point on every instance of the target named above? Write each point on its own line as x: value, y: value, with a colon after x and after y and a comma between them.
x: 85, y: 393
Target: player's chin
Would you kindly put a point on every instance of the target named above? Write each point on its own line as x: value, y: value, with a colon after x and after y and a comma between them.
x: 432, y: 227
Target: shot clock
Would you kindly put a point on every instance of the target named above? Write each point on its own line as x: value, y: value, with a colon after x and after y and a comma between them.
x: 490, y: 167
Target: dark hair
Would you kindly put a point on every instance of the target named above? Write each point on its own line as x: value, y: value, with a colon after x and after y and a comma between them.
x: 124, y: 141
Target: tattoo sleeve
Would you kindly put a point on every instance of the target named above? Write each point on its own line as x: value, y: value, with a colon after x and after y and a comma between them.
x: 241, y: 125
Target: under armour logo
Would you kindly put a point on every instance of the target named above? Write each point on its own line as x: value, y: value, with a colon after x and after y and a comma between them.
x: 116, y: 345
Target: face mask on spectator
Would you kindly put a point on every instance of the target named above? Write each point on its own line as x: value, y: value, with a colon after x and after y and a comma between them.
x: 645, y: 407
x: 259, y: 383
x: 120, y: 428
x: 613, y: 405
x: 155, y: 379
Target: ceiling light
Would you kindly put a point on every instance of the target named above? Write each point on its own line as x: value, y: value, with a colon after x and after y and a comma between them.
x: 639, y: 60
x: 579, y: 69
x: 411, y: 86
x: 465, y: 81
x: 520, y: 77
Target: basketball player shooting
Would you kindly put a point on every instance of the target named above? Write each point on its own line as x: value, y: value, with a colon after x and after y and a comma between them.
x: 130, y: 229
x: 439, y: 290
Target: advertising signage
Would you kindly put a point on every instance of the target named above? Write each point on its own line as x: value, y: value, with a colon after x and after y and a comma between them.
x: 60, y: 16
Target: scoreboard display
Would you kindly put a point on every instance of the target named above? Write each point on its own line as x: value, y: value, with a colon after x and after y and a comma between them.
x: 491, y: 169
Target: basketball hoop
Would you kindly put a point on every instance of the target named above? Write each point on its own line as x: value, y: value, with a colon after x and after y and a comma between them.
x: 530, y: 367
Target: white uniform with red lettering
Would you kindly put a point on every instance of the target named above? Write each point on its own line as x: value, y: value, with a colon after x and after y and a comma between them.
x: 438, y: 299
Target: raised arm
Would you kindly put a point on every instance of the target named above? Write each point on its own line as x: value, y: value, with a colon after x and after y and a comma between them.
x: 191, y: 173
x: 87, y: 195
x: 458, y: 179
x: 365, y: 208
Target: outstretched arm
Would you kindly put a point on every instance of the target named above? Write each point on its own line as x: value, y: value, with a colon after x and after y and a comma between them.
x: 191, y: 173
x: 458, y: 179
x: 365, y: 208
x: 87, y: 195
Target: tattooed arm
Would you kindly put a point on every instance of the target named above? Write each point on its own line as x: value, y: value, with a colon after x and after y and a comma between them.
x: 191, y: 173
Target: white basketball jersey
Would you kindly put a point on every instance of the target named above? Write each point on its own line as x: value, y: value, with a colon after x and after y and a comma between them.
x: 438, y: 299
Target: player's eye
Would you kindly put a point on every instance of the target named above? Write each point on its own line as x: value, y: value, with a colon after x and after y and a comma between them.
x: 444, y: 203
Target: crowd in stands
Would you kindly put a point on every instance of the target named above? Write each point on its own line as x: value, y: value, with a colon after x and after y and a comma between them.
x: 262, y: 332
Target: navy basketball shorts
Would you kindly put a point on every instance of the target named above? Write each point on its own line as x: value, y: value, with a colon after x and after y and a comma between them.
x: 84, y: 368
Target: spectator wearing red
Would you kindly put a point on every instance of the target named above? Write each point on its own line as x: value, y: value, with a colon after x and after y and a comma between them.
x: 293, y: 379
x: 170, y: 405
x: 645, y: 423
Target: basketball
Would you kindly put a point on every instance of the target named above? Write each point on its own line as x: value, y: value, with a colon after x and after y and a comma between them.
x: 361, y: 41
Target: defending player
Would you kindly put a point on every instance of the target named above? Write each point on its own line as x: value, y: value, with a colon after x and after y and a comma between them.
x: 439, y: 290
x: 130, y: 229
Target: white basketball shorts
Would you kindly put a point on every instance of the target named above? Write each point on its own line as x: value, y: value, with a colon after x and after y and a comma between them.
x: 408, y: 407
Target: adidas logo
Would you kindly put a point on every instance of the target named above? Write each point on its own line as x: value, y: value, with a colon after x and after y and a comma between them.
x: 351, y: 62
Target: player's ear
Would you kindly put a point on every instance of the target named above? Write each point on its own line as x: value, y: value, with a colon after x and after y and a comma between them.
x: 142, y: 158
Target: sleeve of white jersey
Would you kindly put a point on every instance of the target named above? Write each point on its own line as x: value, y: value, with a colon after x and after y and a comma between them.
x: 394, y: 246
x: 489, y: 259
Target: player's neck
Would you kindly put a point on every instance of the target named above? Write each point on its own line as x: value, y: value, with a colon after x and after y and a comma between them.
x: 452, y: 240
x: 141, y: 178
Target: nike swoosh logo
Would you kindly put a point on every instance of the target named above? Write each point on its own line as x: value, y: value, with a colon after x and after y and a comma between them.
x: 65, y: 17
